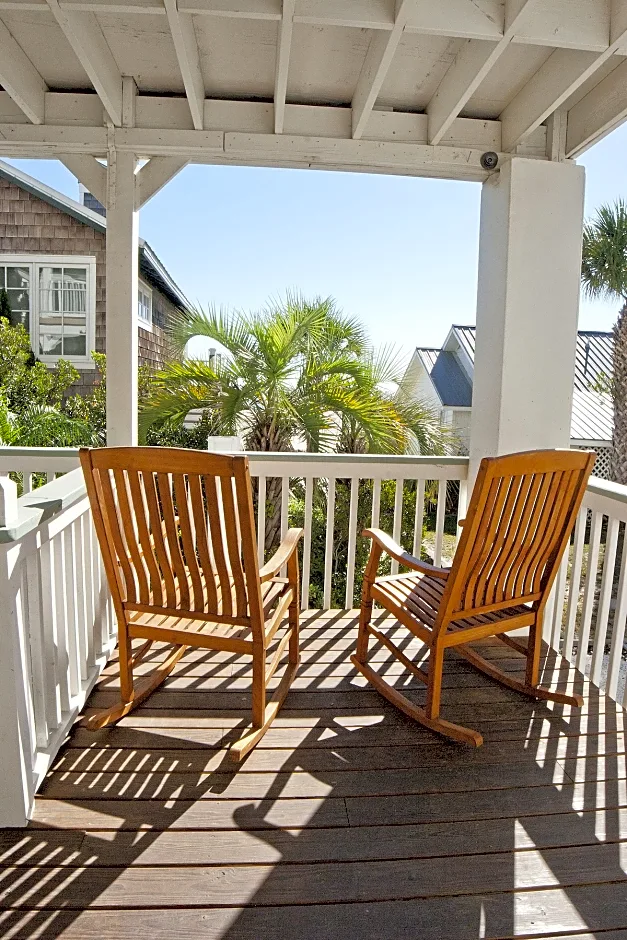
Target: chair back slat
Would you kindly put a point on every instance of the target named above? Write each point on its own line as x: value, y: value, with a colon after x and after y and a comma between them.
x: 233, y: 545
x: 188, y: 541
x: 214, y: 505
x: 155, y: 524
x: 207, y: 564
x: 140, y: 512
x: 519, y: 520
x: 179, y: 529
x: 131, y: 535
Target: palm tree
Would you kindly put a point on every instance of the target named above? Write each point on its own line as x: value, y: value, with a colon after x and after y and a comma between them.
x: 604, y: 275
x: 298, y: 371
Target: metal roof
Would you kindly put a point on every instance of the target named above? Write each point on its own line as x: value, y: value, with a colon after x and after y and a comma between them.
x: 593, y: 413
x: 451, y: 382
x: 150, y: 265
x: 593, y: 357
x: 428, y: 356
x: 592, y: 418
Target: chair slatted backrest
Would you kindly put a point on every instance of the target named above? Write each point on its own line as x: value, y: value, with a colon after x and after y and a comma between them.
x: 178, y: 528
x: 519, y: 520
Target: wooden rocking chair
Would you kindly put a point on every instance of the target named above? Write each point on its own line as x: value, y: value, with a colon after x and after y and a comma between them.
x: 177, y: 534
x: 517, y: 527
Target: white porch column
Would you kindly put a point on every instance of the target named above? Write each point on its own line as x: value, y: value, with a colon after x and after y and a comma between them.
x: 122, y: 273
x: 527, y: 307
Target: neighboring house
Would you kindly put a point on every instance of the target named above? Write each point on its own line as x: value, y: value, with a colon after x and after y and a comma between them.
x: 443, y: 379
x: 52, y: 265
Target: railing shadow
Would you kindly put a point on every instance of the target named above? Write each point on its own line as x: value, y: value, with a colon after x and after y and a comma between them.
x: 367, y: 827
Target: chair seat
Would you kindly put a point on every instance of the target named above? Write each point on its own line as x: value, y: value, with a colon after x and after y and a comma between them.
x: 421, y: 595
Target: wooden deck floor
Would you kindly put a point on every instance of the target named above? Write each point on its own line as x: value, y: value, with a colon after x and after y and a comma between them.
x: 347, y: 821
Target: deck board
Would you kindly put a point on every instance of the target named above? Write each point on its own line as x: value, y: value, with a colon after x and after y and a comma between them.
x: 346, y: 821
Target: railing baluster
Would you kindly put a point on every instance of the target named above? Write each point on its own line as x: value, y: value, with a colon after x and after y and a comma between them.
x: 261, y: 520
x: 352, y: 541
x: 589, y: 591
x: 63, y: 653
x: 419, y: 517
x: 71, y: 610
x: 33, y: 618
x: 376, y: 503
x: 285, y: 496
x: 439, y: 523
x: 398, y: 518
x: 574, y: 583
x: 27, y: 482
x: 462, y: 504
x: 603, y: 610
x: 555, y: 638
x: 49, y: 635
x: 618, y: 629
x: 328, y: 544
x: 309, y: 483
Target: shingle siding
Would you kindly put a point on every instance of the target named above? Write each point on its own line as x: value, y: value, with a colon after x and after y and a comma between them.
x: 29, y: 225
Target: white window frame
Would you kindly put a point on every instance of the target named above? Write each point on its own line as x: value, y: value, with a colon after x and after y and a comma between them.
x: 82, y: 261
x: 145, y: 289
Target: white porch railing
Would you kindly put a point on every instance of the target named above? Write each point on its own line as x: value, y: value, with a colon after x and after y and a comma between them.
x: 56, y: 614
x: 587, y: 618
x: 57, y: 632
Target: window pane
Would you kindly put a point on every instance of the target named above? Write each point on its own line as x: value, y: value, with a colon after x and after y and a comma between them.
x: 74, y: 289
x: 50, y: 344
x: 75, y: 345
x: 2, y: 277
x: 18, y: 277
x: 50, y: 290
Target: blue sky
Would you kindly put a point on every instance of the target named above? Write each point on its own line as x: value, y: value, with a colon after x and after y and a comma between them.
x: 397, y: 252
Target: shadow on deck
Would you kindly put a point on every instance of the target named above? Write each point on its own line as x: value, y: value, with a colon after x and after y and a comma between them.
x: 347, y: 821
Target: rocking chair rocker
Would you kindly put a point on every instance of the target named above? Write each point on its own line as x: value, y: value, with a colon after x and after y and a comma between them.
x: 518, y: 525
x: 177, y: 534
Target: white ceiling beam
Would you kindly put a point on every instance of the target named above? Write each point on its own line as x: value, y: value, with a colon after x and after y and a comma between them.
x: 471, y: 66
x: 383, y: 46
x: 598, y: 112
x: 216, y: 147
x: 86, y: 38
x: 557, y: 80
x: 20, y: 78
x: 284, y: 46
x: 186, y: 47
x: 154, y: 175
x: 89, y: 172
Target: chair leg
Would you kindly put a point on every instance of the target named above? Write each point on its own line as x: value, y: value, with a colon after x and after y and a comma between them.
x: 365, y: 616
x: 125, y: 656
x: 259, y: 687
x: 139, y: 691
x: 434, y: 684
x: 534, y: 648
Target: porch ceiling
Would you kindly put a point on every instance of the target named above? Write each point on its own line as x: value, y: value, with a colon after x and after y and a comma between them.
x: 404, y: 86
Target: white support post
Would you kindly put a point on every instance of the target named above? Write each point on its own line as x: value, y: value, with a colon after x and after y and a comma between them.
x: 527, y: 306
x: 122, y: 273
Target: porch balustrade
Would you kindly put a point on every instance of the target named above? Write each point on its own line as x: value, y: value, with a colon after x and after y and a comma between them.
x: 58, y: 625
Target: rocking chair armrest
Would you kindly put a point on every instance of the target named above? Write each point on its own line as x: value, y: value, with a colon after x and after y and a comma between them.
x: 283, y: 553
x: 392, y: 548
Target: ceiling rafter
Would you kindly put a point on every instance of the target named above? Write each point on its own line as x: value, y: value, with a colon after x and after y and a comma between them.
x: 284, y: 47
x: 381, y: 50
x: 83, y: 32
x: 188, y: 57
x: 598, y: 112
x: 471, y: 66
x: 21, y: 79
x: 553, y: 84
